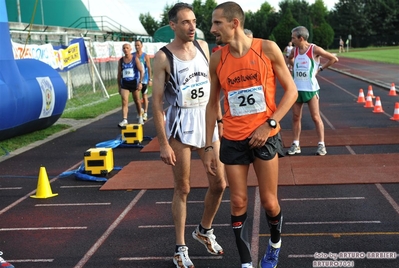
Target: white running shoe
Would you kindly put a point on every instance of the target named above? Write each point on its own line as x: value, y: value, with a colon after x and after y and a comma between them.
x: 209, y: 241
x: 294, y: 149
x: 141, y: 121
x: 145, y: 116
x: 181, y: 258
x: 123, y: 123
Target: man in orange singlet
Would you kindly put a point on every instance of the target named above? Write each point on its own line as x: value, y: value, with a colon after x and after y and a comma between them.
x: 246, y: 69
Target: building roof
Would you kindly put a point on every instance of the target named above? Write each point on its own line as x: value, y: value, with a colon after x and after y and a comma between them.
x: 102, y: 15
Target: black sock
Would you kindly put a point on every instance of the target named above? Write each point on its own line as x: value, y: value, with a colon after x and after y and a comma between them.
x: 241, y: 233
x: 275, y: 224
x: 177, y: 247
x: 202, y: 229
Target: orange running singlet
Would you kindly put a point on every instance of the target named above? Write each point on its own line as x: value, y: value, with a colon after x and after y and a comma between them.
x: 249, y: 88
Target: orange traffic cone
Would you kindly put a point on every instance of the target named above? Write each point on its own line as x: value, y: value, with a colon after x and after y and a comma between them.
x: 43, y: 185
x: 396, y: 112
x: 361, y: 98
x: 378, y: 106
x: 369, y: 102
x: 392, y: 91
x: 370, y: 91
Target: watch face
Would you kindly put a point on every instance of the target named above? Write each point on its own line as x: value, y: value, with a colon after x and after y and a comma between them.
x: 272, y: 123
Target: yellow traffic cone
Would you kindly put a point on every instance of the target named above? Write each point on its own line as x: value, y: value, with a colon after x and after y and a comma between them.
x: 43, y: 185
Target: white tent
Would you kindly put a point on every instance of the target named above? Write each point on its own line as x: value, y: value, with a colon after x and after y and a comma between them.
x: 122, y: 17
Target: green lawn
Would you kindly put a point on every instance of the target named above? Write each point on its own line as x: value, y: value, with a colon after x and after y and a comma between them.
x: 387, y: 55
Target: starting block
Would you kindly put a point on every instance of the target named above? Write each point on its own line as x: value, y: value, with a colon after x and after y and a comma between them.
x: 99, y: 161
x: 132, y: 133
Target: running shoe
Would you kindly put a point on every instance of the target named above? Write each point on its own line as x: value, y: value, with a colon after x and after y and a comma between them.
x: 270, y: 259
x: 140, y: 121
x: 123, y: 123
x: 181, y: 258
x: 295, y: 149
x: 209, y: 241
x: 3, y: 263
x: 145, y: 116
x: 321, y: 150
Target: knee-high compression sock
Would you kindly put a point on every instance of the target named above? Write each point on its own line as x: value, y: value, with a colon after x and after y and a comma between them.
x: 241, y: 233
x: 275, y: 224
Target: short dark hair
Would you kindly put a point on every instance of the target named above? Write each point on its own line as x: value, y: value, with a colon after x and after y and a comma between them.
x: 172, y: 14
x: 232, y: 10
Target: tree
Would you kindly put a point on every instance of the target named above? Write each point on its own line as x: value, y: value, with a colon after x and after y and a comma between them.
x: 323, y: 35
x: 260, y: 21
x: 203, y: 13
x: 282, y: 32
x: 302, y: 13
x: 149, y: 23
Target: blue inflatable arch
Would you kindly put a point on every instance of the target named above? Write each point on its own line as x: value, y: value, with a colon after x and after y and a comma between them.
x: 32, y: 94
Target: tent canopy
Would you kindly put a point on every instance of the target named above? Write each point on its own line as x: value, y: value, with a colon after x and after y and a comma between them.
x: 166, y: 34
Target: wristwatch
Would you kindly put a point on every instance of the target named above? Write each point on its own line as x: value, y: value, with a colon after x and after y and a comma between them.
x: 321, y: 68
x: 272, y: 123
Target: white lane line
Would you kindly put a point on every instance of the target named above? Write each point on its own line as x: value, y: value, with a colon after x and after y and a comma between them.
x: 169, y: 258
x: 11, y: 188
x: 108, y: 232
x: 30, y: 260
x: 72, y: 204
x: 172, y: 226
x: 331, y: 222
x: 42, y: 228
x: 388, y: 197
x: 188, y: 202
x: 323, y: 198
x: 256, y: 227
x: 82, y: 186
x: 32, y: 192
x: 298, y: 256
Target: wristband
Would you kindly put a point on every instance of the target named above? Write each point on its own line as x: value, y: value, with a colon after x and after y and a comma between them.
x: 219, y: 121
x: 208, y: 148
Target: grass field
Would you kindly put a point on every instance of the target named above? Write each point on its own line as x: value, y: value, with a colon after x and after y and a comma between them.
x: 385, y: 54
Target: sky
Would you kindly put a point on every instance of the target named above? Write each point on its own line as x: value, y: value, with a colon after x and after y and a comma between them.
x: 155, y: 7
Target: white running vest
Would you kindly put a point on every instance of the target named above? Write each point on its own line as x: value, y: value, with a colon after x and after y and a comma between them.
x: 305, y: 69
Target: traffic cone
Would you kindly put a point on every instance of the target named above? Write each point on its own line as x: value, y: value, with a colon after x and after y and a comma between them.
x: 370, y: 91
x: 361, y: 98
x: 378, y: 106
x: 396, y: 112
x: 392, y: 91
x: 43, y: 185
x: 369, y: 102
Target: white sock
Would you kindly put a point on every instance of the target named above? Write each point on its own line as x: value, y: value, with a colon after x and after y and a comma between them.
x: 275, y: 245
x: 246, y: 265
x: 296, y: 142
x: 321, y: 143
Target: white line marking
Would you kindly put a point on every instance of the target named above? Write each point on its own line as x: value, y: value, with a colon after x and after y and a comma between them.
x: 255, y: 227
x: 11, y: 188
x: 322, y: 198
x: 188, y: 202
x: 30, y: 260
x: 42, y: 228
x: 330, y: 222
x: 388, y: 197
x: 32, y: 192
x: 72, y: 204
x: 187, y: 225
x: 110, y: 229
x: 82, y: 186
x: 301, y: 256
x: 169, y: 258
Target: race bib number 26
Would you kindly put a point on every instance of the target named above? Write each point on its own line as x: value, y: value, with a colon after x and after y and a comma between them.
x: 247, y: 101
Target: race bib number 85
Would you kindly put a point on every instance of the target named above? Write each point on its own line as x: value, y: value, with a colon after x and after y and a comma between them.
x: 195, y: 94
x: 247, y: 101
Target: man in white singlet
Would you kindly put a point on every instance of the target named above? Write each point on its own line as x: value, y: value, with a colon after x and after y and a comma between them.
x: 181, y: 78
x: 305, y: 58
